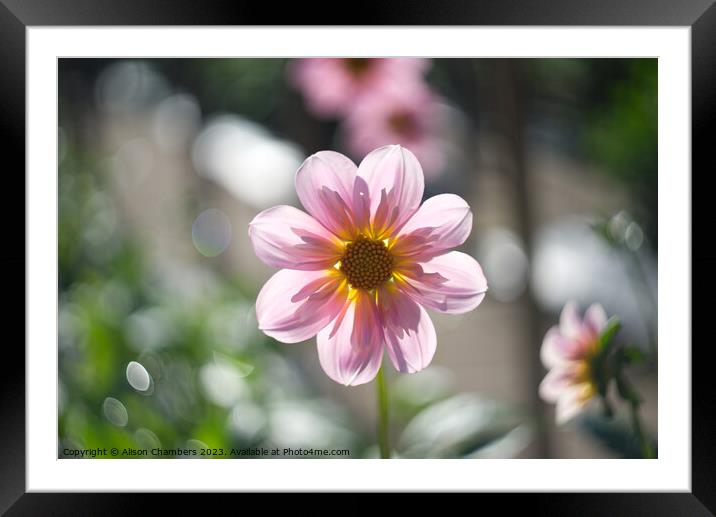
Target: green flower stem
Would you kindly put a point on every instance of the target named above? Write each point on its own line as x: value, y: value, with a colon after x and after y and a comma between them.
x: 644, y: 444
x: 630, y: 395
x: 643, y: 293
x: 383, y: 439
x: 607, y: 407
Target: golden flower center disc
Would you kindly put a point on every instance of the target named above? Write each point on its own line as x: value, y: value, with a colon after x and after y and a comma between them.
x: 357, y: 66
x: 366, y: 263
x: 403, y: 123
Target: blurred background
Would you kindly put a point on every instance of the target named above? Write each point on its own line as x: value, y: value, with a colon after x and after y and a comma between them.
x: 163, y: 163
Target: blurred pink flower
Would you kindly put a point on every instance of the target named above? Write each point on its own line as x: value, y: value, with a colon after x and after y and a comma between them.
x: 333, y: 86
x: 568, y: 351
x: 359, y: 270
x: 409, y: 114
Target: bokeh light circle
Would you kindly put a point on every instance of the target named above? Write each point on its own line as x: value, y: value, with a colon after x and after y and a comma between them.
x: 115, y: 412
x: 211, y: 232
x: 138, y: 377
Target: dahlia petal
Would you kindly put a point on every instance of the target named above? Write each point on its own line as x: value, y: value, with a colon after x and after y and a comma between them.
x: 570, y: 403
x: 324, y: 184
x: 570, y: 324
x: 331, y: 88
x: 553, y: 348
x: 326, y: 88
x: 595, y: 318
x: 286, y: 237
x: 412, y: 66
x: 395, y: 184
x: 556, y: 348
x: 351, y: 351
x: 557, y: 380
x: 452, y: 283
x: 294, y: 305
x: 441, y: 223
x: 361, y: 205
x: 398, y: 311
x: 409, y: 332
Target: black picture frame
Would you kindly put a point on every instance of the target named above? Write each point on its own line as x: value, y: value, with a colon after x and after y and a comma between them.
x: 17, y: 15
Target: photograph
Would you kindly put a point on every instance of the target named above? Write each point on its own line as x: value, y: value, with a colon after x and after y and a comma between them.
x: 357, y: 258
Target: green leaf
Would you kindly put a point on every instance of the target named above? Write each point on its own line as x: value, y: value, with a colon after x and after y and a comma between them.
x: 465, y: 425
x: 633, y: 355
x: 605, y: 339
x: 412, y: 393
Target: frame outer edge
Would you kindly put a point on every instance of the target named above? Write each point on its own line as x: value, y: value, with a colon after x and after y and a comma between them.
x: 703, y: 124
x: 12, y: 133
x: 12, y: 258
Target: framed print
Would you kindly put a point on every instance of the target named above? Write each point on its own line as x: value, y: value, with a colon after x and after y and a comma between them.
x: 452, y: 256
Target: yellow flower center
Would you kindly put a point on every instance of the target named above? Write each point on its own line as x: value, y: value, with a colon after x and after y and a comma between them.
x: 584, y: 371
x: 403, y: 123
x: 357, y: 66
x: 367, y: 263
x: 585, y: 377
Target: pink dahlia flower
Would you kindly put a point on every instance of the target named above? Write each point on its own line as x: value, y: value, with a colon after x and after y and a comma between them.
x: 333, y: 86
x: 359, y: 269
x: 568, y: 351
x: 409, y: 114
